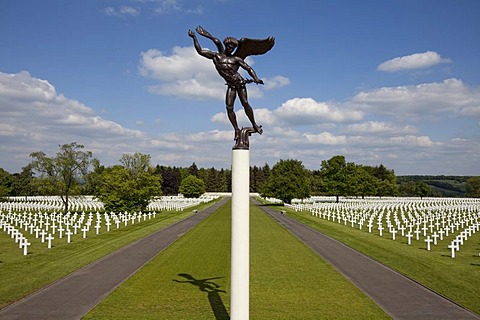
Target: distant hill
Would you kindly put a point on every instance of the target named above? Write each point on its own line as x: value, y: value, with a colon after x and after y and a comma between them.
x: 447, y: 186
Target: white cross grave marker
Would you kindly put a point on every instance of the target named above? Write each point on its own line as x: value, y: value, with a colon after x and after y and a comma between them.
x: 49, y: 240
x: 402, y: 228
x: 428, y: 241
x: 435, y: 236
x: 409, y: 237
x: 84, y: 230
x: 97, y: 229
x: 453, y: 246
x: 25, y: 245
x: 68, y: 233
x: 43, y: 234
x: 441, y: 232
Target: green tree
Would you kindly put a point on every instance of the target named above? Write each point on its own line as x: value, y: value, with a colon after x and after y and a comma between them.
x: 288, y: 180
x: 24, y: 182
x: 228, y: 180
x: 131, y: 186
x: 334, y: 176
x: 407, y: 188
x: 316, y: 186
x: 171, y: 179
x: 361, y: 182
x: 367, y: 183
x: 262, y: 177
x: 258, y: 176
x: 339, y: 178
x: 473, y: 187
x: 62, y: 174
x: 223, y: 177
x: 193, y: 170
x: 192, y: 187
x: 93, y: 178
x: 215, y: 180
x: 421, y: 189
x: 387, y: 181
x: 353, y: 178
x: 6, y: 181
x: 136, y: 163
x: 203, y: 174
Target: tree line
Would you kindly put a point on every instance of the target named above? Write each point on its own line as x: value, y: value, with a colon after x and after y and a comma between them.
x: 131, y: 184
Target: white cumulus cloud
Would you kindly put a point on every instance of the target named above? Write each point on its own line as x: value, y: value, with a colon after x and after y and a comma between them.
x: 379, y: 127
x: 34, y: 115
x: 309, y: 111
x: 414, y: 61
x: 449, y: 96
x: 413, y: 141
x: 325, y: 138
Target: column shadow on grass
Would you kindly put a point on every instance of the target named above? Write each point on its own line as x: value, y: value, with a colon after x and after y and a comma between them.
x: 212, y: 289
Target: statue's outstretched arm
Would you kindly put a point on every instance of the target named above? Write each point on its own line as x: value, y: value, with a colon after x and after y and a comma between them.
x: 203, y: 52
x: 207, y: 34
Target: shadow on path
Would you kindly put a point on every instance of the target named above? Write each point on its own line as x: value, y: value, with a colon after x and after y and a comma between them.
x: 212, y: 289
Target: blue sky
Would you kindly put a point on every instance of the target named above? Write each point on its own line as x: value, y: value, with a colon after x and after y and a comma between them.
x: 380, y: 82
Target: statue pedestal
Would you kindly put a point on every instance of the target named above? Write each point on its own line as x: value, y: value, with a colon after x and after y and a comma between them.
x: 240, y: 255
x: 240, y: 259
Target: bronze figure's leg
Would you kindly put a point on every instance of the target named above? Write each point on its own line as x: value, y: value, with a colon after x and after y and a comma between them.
x: 230, y: 101
x: 242, y: 94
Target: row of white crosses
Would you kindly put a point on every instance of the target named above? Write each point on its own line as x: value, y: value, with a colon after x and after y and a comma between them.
x: 178, y: 203
x: 50, y: 203
x: 24, y: 217
x: 16, y: 235
x: 48, y: 226
x: 429, y: 220
x: 462, y: 237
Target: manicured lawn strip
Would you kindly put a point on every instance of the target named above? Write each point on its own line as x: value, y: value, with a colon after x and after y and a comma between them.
x: 287, y: 279
x: 158, y: 291
x: 21, y: 275
x: 457, y: 279
x: 290, y: 281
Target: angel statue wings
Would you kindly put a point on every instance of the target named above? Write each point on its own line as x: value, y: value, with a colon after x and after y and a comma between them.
x: 228, y: 61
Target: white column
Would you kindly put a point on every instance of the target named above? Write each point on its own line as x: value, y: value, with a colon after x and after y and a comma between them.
x: 240, y: 255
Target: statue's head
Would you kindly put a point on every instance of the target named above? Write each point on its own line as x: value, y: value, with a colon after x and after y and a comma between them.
x: 230, y: 44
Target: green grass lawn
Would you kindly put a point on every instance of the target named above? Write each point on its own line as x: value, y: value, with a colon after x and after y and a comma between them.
x: 457, y: 279
x: 191, y: 279
x: 21, y: 275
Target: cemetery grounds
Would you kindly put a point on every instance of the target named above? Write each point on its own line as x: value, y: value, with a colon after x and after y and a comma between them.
x: 191, y: 277
x: 29, y: 261
x: 434, y: 241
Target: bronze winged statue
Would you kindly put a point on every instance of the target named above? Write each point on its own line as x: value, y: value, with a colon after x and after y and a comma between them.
x: 228, y: 61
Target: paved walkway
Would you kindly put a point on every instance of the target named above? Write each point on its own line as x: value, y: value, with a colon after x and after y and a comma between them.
x: 73, y: 296
x: 397, y: 295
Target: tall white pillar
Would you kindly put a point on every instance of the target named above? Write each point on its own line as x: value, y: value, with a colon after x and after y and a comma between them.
x: 240, y: 255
